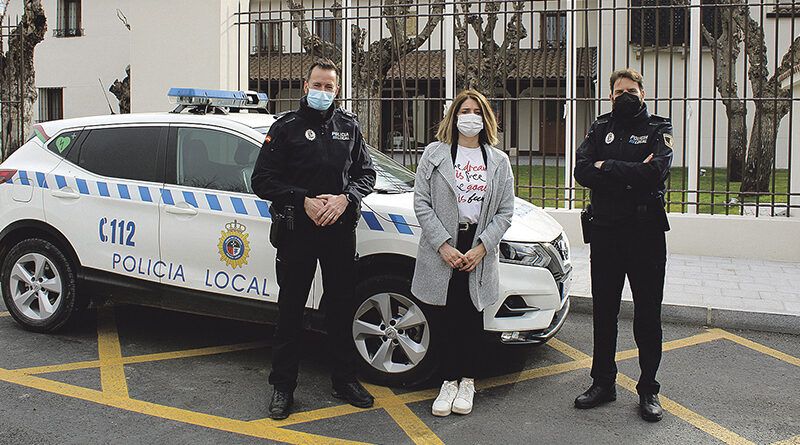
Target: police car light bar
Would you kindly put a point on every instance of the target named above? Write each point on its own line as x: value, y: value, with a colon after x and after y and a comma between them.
x: 218, y: 98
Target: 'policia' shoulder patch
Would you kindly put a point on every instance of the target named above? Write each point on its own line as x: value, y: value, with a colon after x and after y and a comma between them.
x: 668, y: 140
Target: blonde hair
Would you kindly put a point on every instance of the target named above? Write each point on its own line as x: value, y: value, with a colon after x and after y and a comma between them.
x: 448, y: 132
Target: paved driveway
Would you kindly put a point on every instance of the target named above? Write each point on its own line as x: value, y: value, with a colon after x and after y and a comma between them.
x: 137, y: 375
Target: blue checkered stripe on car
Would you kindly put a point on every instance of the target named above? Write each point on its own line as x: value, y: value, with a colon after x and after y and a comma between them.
x: 214, y: 202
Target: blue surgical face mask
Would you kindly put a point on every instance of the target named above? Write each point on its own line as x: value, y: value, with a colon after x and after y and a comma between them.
x: 319, y: 100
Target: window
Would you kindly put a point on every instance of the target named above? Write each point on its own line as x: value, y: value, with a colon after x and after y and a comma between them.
x: 554, y: 29
x: 69, y: 19
x: 659, y: 22
x: 216, y: 160
x: 51, y: 104
x: 266, y: 37
x: 328, y: 30
x: 62, y: 144
x: 125, y: 153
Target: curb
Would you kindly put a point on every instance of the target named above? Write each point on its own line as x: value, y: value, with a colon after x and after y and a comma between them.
x: 706, y: 316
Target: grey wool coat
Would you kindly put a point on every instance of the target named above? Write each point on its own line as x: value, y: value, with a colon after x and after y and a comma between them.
x: 437, y: 212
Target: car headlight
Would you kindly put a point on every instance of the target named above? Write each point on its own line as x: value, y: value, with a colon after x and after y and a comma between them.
x: 528, y: 254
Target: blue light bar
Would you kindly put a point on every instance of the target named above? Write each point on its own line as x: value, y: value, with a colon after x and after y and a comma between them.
x: 218, y: 98
x: 198, y: 96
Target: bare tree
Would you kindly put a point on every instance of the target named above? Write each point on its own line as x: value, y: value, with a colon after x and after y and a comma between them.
x: 17, y: 76
x: 371, y: 62
x: 725, y: 42
x: 496, y: 61
x: 121, y: 89
x: 735, y: 27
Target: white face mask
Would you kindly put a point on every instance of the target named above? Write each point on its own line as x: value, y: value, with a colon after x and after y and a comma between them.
x: 470, y: 124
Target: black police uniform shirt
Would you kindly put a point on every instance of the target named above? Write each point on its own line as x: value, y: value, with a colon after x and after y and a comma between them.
x: 626, y: 189
x: 309, y: 153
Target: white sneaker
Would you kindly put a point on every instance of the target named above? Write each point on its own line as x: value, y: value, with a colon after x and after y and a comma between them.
x: 444, y: 402
x: 463, y: 402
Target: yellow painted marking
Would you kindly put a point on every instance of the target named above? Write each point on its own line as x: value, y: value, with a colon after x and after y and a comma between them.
x: 567, y: 350
x: 759, y: 347
x: 4, y: 314
x: 395, y: 405
x: 167, y: 412
x: 409, y: 422
x: 790, y: 441
x: 112, y: 372
x: 703, y: 424
x: 413, y: 426
x: 213, y: 350
x: 694, y: 340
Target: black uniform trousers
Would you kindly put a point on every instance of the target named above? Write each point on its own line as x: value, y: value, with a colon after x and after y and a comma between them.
x: 637, y: 250
x: 459, y: 319
x: 298, y: 252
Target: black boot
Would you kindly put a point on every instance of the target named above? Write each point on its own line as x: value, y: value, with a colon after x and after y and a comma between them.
x: 354, y: 394
x: 596, y: 395
x: 650, y: 407
x: 281, y: 404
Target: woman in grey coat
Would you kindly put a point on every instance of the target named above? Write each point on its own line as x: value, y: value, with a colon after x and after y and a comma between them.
x: 464, y: 200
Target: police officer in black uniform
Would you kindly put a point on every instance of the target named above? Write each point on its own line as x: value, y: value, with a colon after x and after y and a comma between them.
x: 625, y: 161
x: 315, y: 168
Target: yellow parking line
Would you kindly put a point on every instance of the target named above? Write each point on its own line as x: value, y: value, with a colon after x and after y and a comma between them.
x: 694, y: 340
x: 790, y: 441
x: 168, y: 412
x: 678, y: 410
x: 4, y: 314
x: 567, y: 350
x: 759, y: 347
x: 212, y: 350
x: 413, y: 426
x: 409, y: 422
x: 112, y: 372
x: 694, y: 419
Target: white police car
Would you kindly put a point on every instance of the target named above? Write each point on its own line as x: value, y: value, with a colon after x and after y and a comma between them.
x: 157, y: 210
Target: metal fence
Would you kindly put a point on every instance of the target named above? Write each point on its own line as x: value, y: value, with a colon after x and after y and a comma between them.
x: 726, y: 72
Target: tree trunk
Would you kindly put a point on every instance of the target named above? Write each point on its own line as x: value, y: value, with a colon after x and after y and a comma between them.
x: 17, y: 77
x: 368, y: 108
x: 121, y: 89
x: 737, y: 141
x: 761, y: 153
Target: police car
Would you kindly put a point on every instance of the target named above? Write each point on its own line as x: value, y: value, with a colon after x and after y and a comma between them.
x: 157, y: 210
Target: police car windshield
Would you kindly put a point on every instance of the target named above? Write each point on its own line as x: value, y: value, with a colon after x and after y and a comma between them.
x: 391, y: 176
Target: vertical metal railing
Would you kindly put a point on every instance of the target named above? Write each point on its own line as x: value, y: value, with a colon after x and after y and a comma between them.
x: 547, y: 89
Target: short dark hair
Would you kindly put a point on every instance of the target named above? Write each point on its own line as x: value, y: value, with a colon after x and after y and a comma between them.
x: 325, y: 64
x: 626, y: 73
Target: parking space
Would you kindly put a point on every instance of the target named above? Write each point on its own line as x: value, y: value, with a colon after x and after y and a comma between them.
x: 138, y: 375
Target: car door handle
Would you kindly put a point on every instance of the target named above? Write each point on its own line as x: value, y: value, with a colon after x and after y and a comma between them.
x: 66, y: 193
x: 175, y: 210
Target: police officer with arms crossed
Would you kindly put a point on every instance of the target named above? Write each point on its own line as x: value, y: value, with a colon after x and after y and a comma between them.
x: 625, y: 161
x: 315, y: 168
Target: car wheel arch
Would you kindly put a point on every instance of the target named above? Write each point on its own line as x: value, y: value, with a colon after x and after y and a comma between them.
x: 31, y: 228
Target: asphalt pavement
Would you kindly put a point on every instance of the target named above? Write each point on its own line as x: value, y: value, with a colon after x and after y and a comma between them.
x: 130, y: 375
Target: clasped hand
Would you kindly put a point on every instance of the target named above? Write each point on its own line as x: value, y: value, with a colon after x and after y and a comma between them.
x: 465, y: 262
x: 325, y: 210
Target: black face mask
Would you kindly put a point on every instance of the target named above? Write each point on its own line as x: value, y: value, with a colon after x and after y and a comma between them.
x: 626, y: 105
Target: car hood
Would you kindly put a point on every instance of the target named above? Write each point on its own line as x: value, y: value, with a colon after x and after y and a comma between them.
x: 530, y: 223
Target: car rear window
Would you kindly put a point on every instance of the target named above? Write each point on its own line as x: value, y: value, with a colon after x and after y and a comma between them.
x: 125, y: 153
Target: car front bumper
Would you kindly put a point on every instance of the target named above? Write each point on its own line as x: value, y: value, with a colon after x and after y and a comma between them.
x: 539, y: 308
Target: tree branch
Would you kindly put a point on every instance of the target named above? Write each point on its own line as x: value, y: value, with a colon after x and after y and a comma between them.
x: 755, y: 48
x: 311, y: 42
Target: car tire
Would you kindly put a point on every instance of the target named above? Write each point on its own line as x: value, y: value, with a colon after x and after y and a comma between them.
x: 371, y: 332
x: 38, y: 268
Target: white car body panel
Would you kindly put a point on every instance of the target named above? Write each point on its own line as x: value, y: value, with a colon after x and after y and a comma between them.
x: 187, y: 248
